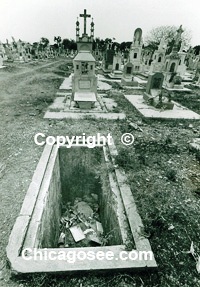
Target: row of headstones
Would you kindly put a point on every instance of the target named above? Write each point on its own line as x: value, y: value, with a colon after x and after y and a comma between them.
x: 24, y: 52
x: 138, y: 59
x: 115, y: 61
x: 174, y: 68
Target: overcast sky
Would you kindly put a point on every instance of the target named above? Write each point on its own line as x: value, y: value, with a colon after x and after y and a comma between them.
x: 29, y: 20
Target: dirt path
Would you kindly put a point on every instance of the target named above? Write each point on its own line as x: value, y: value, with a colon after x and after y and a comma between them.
x: 20, y: 118
x: 27, y: 70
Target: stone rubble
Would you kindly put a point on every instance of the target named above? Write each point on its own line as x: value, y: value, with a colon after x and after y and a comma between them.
x: 80, y: 224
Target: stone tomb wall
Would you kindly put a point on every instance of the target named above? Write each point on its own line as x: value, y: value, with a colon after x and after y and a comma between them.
x: 43, y: 230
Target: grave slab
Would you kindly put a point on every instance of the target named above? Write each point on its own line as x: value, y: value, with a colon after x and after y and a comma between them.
x: 181, y: 89
x: 102, y: 78
x: 85, y: 115
x: 84, y: 97
x: 178, y: 112
x: 64, y: 107
x: 140, y: 81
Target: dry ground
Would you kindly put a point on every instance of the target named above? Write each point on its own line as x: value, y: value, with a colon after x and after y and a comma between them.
x: 163, y: 174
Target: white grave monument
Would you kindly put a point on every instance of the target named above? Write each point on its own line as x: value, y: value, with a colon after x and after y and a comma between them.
x: 136, y: 51
x: 84, y: 80
x: 159, y: 57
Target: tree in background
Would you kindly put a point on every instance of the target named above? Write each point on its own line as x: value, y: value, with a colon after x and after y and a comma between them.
x: 69, y: 44
x: 108, y: 42
x: 155, y: 35
x: 66, y: 43
x: 197, y: 50
x: 100, y: 43
x: 125, y: 45
x: 43, y: 43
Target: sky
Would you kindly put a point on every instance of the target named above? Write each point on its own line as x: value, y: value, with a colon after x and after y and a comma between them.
x: 29, y: 20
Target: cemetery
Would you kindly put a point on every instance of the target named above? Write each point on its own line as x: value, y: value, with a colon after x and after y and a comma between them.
x: 118, y: 197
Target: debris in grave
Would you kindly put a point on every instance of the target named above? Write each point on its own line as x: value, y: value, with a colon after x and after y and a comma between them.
x: 99, y: 227
x: 61, y: 240
x: 94, y: 237
x: 80, y: 224
x: 77, y: 233
x: 84, y: 208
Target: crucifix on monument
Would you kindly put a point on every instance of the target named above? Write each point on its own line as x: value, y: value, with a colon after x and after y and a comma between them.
x: 85, y: 15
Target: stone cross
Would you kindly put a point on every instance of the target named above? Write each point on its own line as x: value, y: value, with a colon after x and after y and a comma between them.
x: 85, y: 15
x: 178, y: 36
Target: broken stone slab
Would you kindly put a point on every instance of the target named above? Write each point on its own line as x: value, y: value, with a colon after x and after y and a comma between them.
x: 77, y: 233
x: 89, y: 230
x: 94, y: 238
x: 84, y: 208
x: 99, y: 227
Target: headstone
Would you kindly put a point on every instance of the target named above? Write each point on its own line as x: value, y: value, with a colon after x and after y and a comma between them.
x: 116, y: 67
x: 128, y: 78
x: 107, y: 62
x: 128, y: 70
x: 155, y: 95
x: 155, y: 81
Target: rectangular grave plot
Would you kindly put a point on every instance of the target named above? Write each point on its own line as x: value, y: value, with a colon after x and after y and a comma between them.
x: 62, y: 176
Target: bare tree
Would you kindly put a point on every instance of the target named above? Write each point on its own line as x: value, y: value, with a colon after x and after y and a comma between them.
x: 155, y: 35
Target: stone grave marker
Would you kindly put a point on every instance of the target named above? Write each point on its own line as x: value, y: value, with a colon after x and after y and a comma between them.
x: 155, y: 95
x: 155, y: 81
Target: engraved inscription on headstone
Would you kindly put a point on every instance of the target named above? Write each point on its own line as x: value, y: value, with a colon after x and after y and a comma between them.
x: 84, y: 84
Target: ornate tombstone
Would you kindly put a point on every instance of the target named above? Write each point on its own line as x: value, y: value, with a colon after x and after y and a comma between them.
x: 84, y: 80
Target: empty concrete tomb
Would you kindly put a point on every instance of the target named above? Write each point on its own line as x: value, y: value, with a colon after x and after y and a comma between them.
x: 63, y: 174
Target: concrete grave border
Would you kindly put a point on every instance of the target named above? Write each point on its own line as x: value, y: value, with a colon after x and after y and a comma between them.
x: 18, y: 235
x: 179, y: 112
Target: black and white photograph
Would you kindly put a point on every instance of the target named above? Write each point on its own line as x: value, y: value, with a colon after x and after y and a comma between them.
x: 100, y: 143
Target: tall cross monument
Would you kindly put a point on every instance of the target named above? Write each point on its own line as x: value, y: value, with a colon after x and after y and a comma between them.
x: 85, y: 16
x: 84, y: 80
